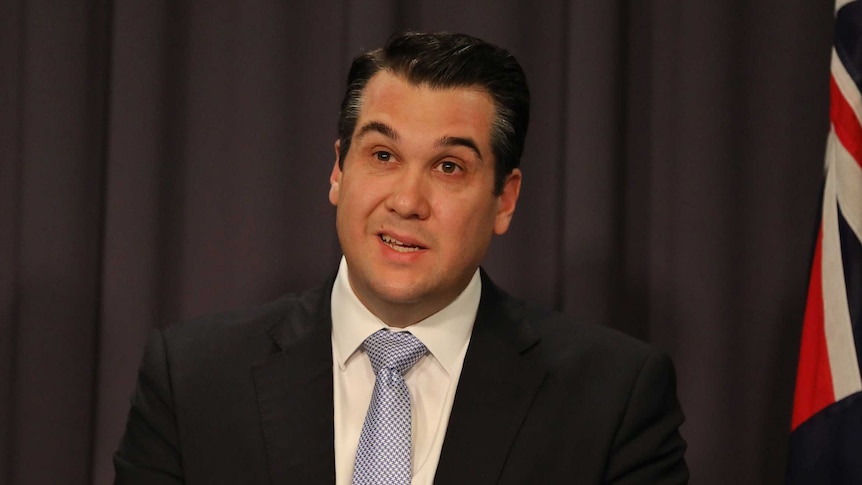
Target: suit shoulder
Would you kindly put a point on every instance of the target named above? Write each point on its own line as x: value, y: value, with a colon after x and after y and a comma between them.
x: 568, y: 330
x: 565, y: 342
x: 231, y: 326
x: 559, y: 334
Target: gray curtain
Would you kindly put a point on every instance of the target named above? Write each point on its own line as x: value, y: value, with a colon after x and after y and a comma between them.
x: 166, y: 159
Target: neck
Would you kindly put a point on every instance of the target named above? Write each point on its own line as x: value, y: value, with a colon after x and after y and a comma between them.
x: 401, y: 315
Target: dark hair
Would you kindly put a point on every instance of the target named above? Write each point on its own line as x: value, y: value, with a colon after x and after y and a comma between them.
x: 447, y: 60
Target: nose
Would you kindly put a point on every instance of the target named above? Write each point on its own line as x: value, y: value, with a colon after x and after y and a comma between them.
x: 409, y: 198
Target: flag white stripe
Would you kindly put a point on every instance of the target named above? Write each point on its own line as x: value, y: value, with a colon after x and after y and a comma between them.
x: 849, y: 188
x: 836, y: 314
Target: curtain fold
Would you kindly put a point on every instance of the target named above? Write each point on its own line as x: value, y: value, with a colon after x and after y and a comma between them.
x: 169, y: 159
x: 55, y: 161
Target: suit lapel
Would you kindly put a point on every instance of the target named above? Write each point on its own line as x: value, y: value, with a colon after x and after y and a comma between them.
x: 497, y: 384
x: 294, y: 391
x: 498, y: 381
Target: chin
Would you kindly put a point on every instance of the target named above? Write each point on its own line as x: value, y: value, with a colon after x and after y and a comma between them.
x: 399, y: 294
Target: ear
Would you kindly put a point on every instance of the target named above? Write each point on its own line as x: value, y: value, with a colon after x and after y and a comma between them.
x: 507, y: 201
x: 335, y: 176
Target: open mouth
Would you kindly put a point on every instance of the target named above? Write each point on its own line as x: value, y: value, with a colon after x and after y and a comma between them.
x: 399, y: 246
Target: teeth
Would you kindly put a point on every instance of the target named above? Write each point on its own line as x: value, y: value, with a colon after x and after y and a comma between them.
x: 391, y: 240
x: 398, y: 245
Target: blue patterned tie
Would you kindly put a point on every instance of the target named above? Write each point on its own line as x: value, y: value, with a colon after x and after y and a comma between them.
x: 384, y: 452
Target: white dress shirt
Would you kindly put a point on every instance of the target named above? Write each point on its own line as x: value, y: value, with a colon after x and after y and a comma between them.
x: 432, y: 381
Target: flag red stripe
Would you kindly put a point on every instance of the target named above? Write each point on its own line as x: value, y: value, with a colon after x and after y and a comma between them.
x: 844, y: 122
x: 814, y: 389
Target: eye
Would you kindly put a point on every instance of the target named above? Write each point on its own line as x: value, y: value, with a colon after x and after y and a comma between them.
x: 383, y: 156
x: 448, y: 167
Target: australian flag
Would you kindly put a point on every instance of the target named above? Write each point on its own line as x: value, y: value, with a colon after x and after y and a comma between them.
x: 826, y: 436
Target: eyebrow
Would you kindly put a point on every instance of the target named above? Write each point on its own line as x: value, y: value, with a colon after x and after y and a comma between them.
x: 378, y: 127
x: 446, y: 141
x: 459, y: 141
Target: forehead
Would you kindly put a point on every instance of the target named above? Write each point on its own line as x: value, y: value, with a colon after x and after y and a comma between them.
x: 420, y: 109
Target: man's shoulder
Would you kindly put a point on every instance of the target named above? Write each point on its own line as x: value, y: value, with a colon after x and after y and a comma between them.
x: 561, y: 335
x: 590, y: 359
x: 576, y: 354
x: 249, y: 328
x: 564, y: 333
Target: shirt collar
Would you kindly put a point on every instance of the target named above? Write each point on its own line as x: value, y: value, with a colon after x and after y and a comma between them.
x: 445, y: 333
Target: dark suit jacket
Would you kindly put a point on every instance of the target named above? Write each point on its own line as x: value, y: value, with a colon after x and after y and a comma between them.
x: 246, y: 398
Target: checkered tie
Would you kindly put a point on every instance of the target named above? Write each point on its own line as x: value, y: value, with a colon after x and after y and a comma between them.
x: 384, y: 452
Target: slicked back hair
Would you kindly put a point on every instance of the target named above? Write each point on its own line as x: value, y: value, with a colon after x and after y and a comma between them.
x: 446, y: 60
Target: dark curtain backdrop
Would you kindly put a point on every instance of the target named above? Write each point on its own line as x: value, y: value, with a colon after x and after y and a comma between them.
x: 165, y: 159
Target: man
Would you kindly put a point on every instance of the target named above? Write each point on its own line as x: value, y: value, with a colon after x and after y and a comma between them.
x: 431, y: 132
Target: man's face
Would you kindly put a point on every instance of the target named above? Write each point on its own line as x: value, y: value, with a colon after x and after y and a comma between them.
x: 415, y: 200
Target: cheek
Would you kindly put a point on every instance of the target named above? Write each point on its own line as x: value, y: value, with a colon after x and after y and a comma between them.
x: 469, y: 222
x: 357, y: 202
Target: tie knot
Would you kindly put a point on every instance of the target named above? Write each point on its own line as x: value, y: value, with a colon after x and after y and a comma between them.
x: 393, y: 350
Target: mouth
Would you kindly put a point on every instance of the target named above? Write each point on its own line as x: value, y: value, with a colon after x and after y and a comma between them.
x: 397, y: 245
